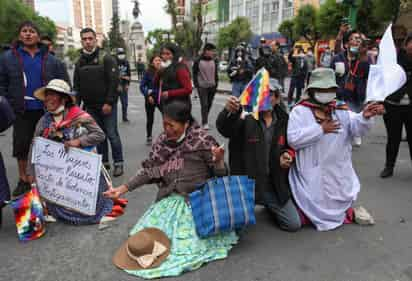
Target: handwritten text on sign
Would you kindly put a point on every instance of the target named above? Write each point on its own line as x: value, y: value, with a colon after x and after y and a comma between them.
x: 67, y: 178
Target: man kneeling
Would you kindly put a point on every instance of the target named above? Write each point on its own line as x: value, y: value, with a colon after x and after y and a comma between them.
x: 258, y: 148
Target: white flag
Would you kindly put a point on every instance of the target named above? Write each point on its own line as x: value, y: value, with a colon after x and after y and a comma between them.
x: 387, y: 76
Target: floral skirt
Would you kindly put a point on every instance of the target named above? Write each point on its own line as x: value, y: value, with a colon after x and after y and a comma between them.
x: 188, y: 252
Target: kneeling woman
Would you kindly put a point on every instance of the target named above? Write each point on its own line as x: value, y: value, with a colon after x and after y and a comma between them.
x: 323, y: 181
x: 181, y: 158
x: 67, y: 123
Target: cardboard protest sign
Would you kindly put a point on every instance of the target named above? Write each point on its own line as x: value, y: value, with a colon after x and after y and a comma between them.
x: 67, y: 178
x: 387, y: 76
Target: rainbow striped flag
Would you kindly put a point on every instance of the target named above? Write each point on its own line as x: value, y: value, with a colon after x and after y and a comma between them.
x: 256, y: 95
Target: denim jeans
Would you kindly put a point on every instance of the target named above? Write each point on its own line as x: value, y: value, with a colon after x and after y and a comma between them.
x: 108, y: 123
x: 286, y: 216
x: 124, y: 100
x: 238, y: 87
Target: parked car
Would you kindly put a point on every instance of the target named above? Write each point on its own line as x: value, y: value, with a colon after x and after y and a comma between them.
x: 223, y: 65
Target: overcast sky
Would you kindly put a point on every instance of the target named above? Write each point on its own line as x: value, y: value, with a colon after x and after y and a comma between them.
x: 153, y: 15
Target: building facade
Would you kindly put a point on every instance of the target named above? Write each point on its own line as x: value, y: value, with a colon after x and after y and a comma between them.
x: 265, y: 16
x: 299, y: 3
x: 137, y: 44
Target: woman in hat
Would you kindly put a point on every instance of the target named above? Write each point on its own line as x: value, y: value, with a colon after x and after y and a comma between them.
x: 182, y: 158
x: 65, y: 122
x: 323, y: 181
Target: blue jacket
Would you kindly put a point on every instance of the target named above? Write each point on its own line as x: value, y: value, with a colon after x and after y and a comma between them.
x: 147, y: 87
x: 11, y: 75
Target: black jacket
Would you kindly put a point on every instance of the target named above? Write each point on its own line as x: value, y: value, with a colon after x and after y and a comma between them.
x: 246, y: 151
x: 195, y: 71
x: 274, y: 64
x: 406, y: 63
x: 11, y: 75
x: 96, y: 78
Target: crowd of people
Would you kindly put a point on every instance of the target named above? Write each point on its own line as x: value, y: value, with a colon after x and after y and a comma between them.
x: 301, y: 161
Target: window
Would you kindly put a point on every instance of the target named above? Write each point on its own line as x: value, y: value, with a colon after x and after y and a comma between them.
x: 139, y: 47
x: 252, y: 13
x: 270, y: 15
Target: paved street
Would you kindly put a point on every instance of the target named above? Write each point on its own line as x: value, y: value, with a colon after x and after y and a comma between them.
x: 352, y: 253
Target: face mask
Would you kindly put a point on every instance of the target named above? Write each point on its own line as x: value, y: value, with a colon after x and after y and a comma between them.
x: 89, y: 53
x: 121, y: 57
x: 59, y: 110
x: 182, y: 137
x: 166, y: 63
x: 354, y: 50
x: 325, y: 98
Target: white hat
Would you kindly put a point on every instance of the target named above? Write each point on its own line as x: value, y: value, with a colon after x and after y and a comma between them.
x: 57, y: 85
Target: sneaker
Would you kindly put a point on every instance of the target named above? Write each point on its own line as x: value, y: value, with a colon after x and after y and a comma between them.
x: 149, y: 141
x: 387, y: 172
x: 22, y: 187
x: 118, y: 171
x: 206, y: 127
x: 362, y: 216
x: 49, y: 219
x: 357, y: 141
x: 125, y: 120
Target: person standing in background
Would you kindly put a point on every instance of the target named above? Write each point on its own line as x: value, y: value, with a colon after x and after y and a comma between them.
x: 206, y: 79
x: 96, y: 78
x: 26, y: 67
x: 124, y: 81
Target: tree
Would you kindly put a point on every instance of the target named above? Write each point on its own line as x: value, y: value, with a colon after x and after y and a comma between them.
x: 287, y: 28
x: 115, y: 39
x: 73, y: 54
x: 330, y: 16
x: 237, y: 31
x: 171, y: 9
x: 155, y: 38
x: 13, y: 12
x: 185, y: 37
x: 306, y: 24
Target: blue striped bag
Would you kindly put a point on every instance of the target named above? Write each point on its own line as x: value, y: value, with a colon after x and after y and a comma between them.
x: 223, y: 204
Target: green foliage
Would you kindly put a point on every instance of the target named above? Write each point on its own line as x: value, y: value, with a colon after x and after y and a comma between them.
x: 155, y: 38
x: 171, y: 9
x: 237, y: 31
x: 306, y: 23
x: 330, y: 16
x: 115, y: 39
x: 185, y: 37
x: 73, y: 54
x: 287, y: 28
x: 13, y: 12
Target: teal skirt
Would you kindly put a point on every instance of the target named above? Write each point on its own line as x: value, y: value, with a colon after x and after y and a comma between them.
x: 188, y: 252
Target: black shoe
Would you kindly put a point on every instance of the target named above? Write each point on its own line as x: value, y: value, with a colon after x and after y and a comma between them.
x: 107, y: 166
x: 149, y: 141
x: 22, y: 187
x: 126, y: 120
x: 387, y: 172
x: 118, y: 171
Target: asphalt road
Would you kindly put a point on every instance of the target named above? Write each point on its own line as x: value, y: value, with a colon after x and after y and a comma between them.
x: 351, y: 253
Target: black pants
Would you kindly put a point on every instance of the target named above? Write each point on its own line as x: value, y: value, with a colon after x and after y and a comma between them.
x: 206, y: 96
x: 298, y: 83
x: 150, y: 111
x: 394, y: 118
